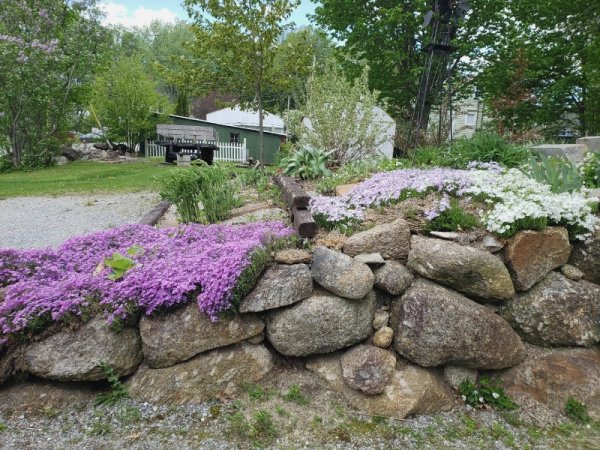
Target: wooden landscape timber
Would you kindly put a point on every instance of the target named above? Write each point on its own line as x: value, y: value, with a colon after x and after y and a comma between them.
x: 296, y: 200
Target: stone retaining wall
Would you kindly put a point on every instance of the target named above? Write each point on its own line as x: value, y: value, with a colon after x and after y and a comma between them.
x: 393, y: 323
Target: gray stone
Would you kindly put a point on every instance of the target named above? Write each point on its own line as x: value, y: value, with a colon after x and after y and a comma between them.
x: 573, y: 152
x: 552, y: 376
x: 591, y: 142
x: 447, y: 235
x: 180, y: 334
x: 557, y: 311
x: 393, y: 278
x: 281, y: 285
x: 202, y: 378
x: 293, y: 256
x: 571, y: 272
x: 492, y: 244
x: 391, y: 240
x: 322, y: 323
x: 586, y: 257
x: 530, y: 255
x: 368, y: 369
x: 411, y: 390
x: 455, y: 375
x: 474, y: 272
x: 434, y: 326
x: 381, y: 319
x: 61, y: 160
x: 77, y: 355
x: 383, y: 337
x: 340, y: 274
x: 370, y: 258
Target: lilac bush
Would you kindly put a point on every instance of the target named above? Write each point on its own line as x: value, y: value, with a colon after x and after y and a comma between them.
x: 171, y: 266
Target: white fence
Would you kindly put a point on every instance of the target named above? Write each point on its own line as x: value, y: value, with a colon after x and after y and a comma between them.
x: 227, y: 151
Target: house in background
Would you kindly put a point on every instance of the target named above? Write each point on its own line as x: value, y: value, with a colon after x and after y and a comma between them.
x: 467, y: 117
x: 238, y: 117
x: 388, y: 125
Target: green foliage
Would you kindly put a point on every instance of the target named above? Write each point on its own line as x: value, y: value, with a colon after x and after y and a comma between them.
x: 525, y: 223
x: 431, y: 157
x: 577, y: 411
x: 234, y: 50
x: 307, y: 163
x: 118, y: 391
x: 453, y: 219
x: 589, y: 170
x: 49, y: 51
x: 210, y: 185
x: 3, y: 427
x: 295, y: 395
x: 257, y: 392
x: 486, y: 391
x: 118, y: 265
x: 341, y: 116
x: 260, y: 259
x: 487, y: 147
x: 262, y: 428
x: 130, y: 415
x: 182, y: 108
x: 126, y: 102
x: 559, y: 173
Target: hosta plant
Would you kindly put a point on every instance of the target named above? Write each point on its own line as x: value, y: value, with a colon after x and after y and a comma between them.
x: 307, y: 163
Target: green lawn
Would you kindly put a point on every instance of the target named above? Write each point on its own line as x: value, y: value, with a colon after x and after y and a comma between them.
x: 84, y: 177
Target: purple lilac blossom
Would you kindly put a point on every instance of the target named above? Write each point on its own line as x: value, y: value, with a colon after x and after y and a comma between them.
x: 174, y: 264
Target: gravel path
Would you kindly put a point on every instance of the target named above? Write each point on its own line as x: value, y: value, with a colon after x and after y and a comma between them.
x: 30, y: 222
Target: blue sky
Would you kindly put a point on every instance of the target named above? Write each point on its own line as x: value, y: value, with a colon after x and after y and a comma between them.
x: 142, y: 12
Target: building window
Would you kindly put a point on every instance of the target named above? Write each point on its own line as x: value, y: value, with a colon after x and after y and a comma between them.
x: 234, y: 138
x: 470, y: 119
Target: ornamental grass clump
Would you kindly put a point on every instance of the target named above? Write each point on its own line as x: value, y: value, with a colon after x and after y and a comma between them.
x: 172, y: 266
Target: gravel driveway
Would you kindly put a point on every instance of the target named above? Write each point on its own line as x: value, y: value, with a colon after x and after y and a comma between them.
x: 30, y: 222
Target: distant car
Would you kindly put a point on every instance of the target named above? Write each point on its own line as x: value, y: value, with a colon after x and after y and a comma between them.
x: 91, y: 137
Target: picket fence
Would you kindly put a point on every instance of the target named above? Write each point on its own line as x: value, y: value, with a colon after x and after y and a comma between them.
x: 227, y: 151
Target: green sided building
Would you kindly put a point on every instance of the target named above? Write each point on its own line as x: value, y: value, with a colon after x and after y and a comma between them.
x: 235, y: 134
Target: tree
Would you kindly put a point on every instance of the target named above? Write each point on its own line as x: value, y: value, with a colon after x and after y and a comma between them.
x: 236, y: 43
x: 126, y: 101
x: 49, y: 50
x: 341, y: 116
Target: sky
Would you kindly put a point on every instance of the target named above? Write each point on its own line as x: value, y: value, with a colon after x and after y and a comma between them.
x: 142, y: 12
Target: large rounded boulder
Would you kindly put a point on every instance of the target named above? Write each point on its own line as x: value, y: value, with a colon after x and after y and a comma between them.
x: 434, y: 326
x: 322, y: 323
x: 181, y: 334
x: 473, y: 272
x: 79, y: 355
x: 531, y: 254
x: 340, y: 274
x: 390, y: 240
x: 557, y: 311
x: 552, y: 376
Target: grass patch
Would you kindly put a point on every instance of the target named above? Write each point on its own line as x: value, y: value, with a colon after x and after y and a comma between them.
x: 84, y: 177
x: 577, y: 411
x: 295, y: 395
x: 453, y: 219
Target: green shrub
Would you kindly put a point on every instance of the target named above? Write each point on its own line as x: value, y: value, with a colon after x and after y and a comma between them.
x: 577, y: 411
x: 486, y: 391
x: 487, y: 147
x: 559, y: 173
x: 453, y: 219
x: 307, y: 163
x: 589, y: 170
x: 210, y: 185
x: 294, y: 395
x: 431, y: 157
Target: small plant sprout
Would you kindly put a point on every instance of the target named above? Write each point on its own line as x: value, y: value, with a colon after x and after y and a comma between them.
x: 294, y: 395
x: 118, y: 391
x: 577, y: 411
x: 486, y: 392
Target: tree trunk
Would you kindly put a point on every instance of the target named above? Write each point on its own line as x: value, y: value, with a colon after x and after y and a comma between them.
x: 261, y: 137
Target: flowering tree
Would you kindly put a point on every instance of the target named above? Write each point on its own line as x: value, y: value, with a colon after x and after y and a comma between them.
x: 341, y: 116
x: 48, y: 51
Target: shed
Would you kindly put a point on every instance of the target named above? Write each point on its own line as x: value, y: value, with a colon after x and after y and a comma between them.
x: 235, y: 134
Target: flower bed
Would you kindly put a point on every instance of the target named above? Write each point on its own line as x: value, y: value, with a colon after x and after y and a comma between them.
x: 514, y: 200
x: 125, y: 269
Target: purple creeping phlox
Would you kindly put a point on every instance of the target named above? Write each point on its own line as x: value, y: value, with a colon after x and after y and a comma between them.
x: 385, y: 187
x: 171, y: 266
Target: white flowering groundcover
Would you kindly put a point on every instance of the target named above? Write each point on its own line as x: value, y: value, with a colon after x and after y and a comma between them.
x: 514, y: 201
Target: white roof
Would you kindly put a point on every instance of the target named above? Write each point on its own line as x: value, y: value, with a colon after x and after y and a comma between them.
x: 238, y: 117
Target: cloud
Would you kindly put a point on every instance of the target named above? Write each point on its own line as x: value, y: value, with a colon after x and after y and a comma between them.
x: 118, y: 14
